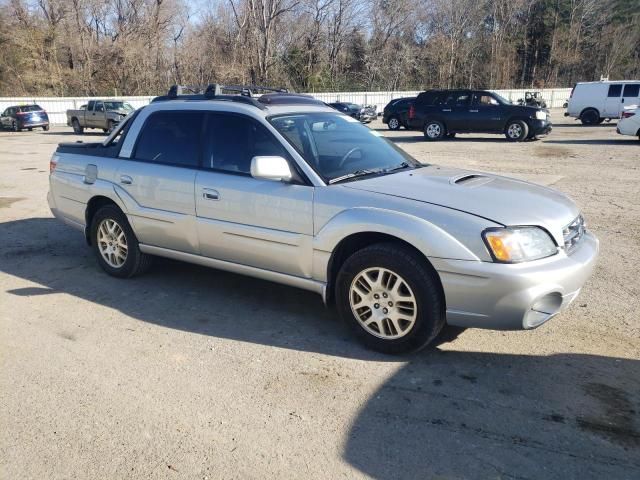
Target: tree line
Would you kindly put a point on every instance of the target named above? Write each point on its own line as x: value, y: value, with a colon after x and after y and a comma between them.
x: 139, y: 47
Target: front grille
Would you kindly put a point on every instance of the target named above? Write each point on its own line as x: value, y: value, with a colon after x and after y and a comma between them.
x: 573, y: 233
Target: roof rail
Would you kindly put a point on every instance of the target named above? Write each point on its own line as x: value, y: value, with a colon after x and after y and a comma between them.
x: 240, y: 93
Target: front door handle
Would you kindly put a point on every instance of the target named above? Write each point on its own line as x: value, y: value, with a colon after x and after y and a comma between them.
x: 126, y: 179
x: 446, y: 110
x: 210, y: 194
x: 474, y: 111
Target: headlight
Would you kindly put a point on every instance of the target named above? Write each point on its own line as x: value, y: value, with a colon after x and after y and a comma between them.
x: 519, y: 244
x: 540, y: 115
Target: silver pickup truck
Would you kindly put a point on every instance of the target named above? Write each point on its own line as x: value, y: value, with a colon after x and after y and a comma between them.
x: 104, y: 114
x: 287, y: 189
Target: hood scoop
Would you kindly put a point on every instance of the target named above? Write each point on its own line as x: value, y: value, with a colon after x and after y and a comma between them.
x: 471, y: 180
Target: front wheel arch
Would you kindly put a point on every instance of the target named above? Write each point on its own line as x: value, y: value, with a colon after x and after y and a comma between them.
x: 358, y: 241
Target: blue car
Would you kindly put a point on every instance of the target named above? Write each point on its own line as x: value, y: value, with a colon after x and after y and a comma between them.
x: 19, y: 117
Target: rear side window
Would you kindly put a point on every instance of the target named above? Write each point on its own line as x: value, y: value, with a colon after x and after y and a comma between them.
x: 233, y: 140
x: 615, y: 90
x: 456, y: 99
x: 427, y: 98
x: 632, y: 90
x: 171, y: 138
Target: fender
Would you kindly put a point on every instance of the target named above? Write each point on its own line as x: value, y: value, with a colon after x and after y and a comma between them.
x: 427, y: 237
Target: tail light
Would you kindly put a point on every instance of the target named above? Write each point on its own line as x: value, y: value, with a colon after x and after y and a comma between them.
x: 53, y: 163
x: 412, y: 112
x: 628, y: 114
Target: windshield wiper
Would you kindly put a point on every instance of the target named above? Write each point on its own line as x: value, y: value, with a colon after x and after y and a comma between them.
x: 357, y: 173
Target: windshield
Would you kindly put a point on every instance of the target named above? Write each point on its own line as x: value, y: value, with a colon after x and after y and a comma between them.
x: 502, y: 99
x: 117, y: 106
x: 336, y: 145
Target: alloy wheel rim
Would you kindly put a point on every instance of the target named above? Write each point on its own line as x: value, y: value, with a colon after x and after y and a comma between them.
x: 393, y: 123
x: 112, y: 243
x: 433, y: 130
x: 383, y: 303
x: 515, y: 130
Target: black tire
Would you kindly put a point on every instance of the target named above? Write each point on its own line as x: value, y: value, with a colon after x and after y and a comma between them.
x: 30, y: 129
x: 14, y: 126
x: 590, y: 117
x: 45, y: 128
x: 434, y: 130
x: 109, y: 126
x: 394, y: 123
x: 418, y: 275
x: 136, y: 262
x: 516, y: 131
x: 600, y: 120
x: 76, y: 126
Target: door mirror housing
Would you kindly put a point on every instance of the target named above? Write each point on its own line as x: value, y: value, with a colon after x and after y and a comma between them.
x: 271, y: 168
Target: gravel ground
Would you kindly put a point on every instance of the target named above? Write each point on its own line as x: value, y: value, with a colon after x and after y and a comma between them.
x: 194, y: 373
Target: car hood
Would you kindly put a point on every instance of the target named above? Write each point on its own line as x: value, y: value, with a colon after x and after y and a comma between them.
x: 503, y: 200
x: 120, y: 111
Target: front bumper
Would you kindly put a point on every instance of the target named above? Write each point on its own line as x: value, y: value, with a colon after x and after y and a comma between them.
x: 541, y: 127
x: 514, y: 296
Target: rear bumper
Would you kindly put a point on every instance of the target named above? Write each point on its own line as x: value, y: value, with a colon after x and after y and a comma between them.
x: 33, y: 123
x: 514, y: 297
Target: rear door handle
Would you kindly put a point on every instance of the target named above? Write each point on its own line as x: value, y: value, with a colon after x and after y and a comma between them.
x: 446, y: 110
x: 210, y: 194
x: 474, y: 111
x: 126, y: 179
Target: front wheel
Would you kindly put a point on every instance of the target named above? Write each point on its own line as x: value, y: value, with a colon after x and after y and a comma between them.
x: 434, y: 130
x: 393, y: 124
x: 14, y: 126
x: 115, y: 245
x: 390, y: 298
x: 45, y: 128
x: 516, y: 131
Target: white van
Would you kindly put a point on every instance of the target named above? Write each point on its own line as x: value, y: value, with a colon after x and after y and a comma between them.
x: 593, y: 102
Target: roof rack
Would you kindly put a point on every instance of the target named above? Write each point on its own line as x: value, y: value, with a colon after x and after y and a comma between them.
x: 239, y: 93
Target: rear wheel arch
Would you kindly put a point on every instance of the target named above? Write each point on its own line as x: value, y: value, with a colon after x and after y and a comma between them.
x: 358, y: 241
x: 95, y: 204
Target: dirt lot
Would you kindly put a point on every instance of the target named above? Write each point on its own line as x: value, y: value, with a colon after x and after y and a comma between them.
x: 194, y: 373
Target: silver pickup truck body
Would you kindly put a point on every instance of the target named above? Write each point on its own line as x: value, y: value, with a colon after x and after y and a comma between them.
x: 401, y: 250
x: 102, y: 114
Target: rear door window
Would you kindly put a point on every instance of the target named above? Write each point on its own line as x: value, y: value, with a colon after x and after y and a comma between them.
x: 171, y: 138
x: 457, y: 99
x: 632, y: 90
x: 615, y: 90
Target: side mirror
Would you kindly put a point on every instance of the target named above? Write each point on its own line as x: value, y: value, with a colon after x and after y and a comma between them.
x: 271, y: 168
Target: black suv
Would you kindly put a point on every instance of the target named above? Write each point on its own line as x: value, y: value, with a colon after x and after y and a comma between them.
x: 443, y: 113
x: 19, y: 117
x: 396, y: 112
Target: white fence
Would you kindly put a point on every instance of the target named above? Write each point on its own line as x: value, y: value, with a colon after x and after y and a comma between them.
x: 56, y: 107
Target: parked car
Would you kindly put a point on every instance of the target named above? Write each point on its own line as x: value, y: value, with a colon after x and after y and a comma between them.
x: 395, y: 112
x: 20, y: 117
x: 286, y: 189
x: 594, y: 102
x: 629, y: 124
x: 354, y: 110
x: 533, y: 99
x: 103, y: 114
x: 444, y: 113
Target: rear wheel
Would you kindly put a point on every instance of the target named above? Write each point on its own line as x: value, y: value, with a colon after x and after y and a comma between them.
x: 390, y: 298
x: 45, y: 128
x: 590, y: 117
x: 110, y: 126
x: 516, y: 131
x: 115, y: 245
x: 14, y: 126
x: 434, y: 130
x: 393, y: 123
x: 76, y: 126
